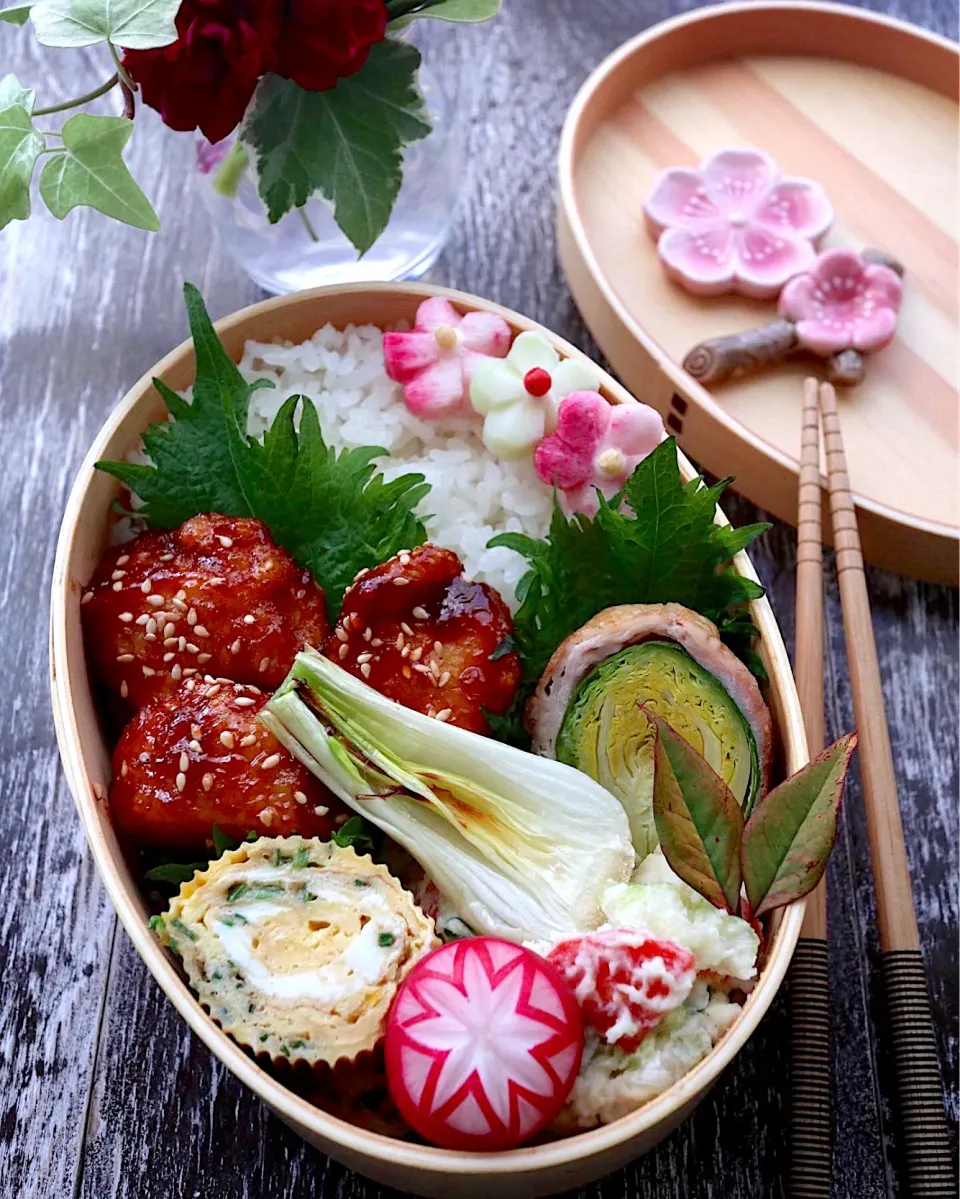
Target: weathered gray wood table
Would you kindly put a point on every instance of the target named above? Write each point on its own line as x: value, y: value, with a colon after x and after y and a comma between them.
x: 103, y: 1091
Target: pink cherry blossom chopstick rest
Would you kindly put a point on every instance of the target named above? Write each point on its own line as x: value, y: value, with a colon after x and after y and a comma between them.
x: 596, y: 447
x: 846, y: 305
x: 435, y: 360
x: 736, y: 223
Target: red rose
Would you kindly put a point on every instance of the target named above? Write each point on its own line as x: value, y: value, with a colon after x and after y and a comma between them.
x: 322, y: 41
x: 207, y: 76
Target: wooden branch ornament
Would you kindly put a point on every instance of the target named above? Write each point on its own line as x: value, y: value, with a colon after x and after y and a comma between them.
x: 844, y: 307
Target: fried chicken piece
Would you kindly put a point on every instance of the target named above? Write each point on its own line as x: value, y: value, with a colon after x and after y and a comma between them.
x: 421, y: 634
x: 215, y: 596
x: 200, y: 757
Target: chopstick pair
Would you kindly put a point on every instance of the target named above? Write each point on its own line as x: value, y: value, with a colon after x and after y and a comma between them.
x: 923, y: 1127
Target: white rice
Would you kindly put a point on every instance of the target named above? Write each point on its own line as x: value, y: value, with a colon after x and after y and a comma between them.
x: 473, y: 495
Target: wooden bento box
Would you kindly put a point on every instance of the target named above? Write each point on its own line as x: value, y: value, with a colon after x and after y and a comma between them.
x: 536, y: 1170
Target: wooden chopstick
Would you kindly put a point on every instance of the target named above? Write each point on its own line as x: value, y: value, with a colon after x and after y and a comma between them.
x: 923, y: 1125
x: 811, y: 1108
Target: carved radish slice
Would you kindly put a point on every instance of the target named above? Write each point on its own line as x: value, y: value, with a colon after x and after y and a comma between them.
x: 625, y: 980
x: 483, y: 1045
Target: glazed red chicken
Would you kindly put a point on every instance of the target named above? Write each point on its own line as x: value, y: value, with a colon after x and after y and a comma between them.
x: 421, y: 634
x: 215, y: 596
x: 200, y: 757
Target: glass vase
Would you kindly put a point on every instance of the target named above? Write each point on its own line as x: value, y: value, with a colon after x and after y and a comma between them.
x: 306, y: 248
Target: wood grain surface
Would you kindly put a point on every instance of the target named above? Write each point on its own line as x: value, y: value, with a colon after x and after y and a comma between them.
x: 103, y: 1092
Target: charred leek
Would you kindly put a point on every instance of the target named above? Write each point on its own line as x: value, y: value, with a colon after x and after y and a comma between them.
x: 523, y: 847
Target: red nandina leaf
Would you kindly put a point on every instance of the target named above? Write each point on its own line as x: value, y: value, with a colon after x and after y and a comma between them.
x: 788, y: 839
x: 699, y: 821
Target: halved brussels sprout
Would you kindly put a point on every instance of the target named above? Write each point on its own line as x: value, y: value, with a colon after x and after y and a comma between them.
x: 606, y: 735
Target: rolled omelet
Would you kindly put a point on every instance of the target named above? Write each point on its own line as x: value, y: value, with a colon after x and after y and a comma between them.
x: 296, y: 947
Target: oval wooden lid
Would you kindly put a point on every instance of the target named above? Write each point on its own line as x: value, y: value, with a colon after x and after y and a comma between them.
x: 868, y: 107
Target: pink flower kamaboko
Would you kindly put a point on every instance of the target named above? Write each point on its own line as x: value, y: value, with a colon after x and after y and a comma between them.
x: 596, y: 447
x: 434, y: 362
x: 736, y: 224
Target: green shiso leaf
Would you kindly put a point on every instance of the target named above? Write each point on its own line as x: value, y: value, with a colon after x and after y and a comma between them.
x: 788, y: 839
x: 699, y: 822
x: 666, y: 548
x: 133, y: 24
x: 221, y: 842
x: 175, y: 872
x: 334, y: 512
x: 20, y: 146
x: 90, y: 171
x: 345, y: 143
x: 355, y: 832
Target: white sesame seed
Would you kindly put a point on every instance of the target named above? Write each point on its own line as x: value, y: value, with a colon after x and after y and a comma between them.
x: 299, y: 797
x: 184, y: 763
x: 192, y: 616
x: 264, y: 665
x: 188, y: 671
x: 169, y: 657
x: 200, y: 631
x: 201, y: 658
x: 235, y: 648
x: 343, y: 651
x: 340, y: 634
x: 169, y: 628
x: 181, y: 781
x: 400, y: 581
x: 319, y: 810
x: 148, y: 672
x: 438, y: 647
x: 420, y: 613
x: 181, y: 594
x: 123, y: 560
x: 248, y: 619
x: 124, y: 689
x: 266, y: 817
x: 155, y: 601
x: 443, y: 679
x: 181, y: 644
x: 168, y: 641
x: 176, y: 672
x: 206, y: 782
x: 124, y: 657
x: 151, y: 625
x: 178, y: 603
x: 404, y: 559
x: 117, y: 586
x: 123, y: 769
x: 417, y: 654
x: 166, y: 557
x: 269, y: 763
x: 444, y: 714
x: 144, y: 619
x: 226, y: 542
x: 361, y: 658
x: 406, y: 628
x: 118, y: 574
x: 244, y: 701
x: 365, y: 670
x: 250, y: 739
x: 190, y: 683
x: 195, y: 745
x: 126, y: 617
x: 146, y: 586
x: 226, y: 739
x: 405, y: 651
x: 376, y: 642
x: 214, y: 690
x: 192, y: 649
x: 368, y: 634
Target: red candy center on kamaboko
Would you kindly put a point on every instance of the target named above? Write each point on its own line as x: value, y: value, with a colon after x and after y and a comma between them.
x: 537, y: 381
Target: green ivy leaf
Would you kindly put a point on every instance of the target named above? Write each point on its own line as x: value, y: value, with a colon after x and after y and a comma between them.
x: 20, y: 146
x: 468, y: 12
x: 17, y: 15
x: 699, y: 822
x: 12, y: 93
x: 345, y: 143
x: 90, y: 171
x: 789, y: 837
x: 132, y: 24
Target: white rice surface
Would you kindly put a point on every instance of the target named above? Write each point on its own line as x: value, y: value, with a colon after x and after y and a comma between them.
x: 473, y: 495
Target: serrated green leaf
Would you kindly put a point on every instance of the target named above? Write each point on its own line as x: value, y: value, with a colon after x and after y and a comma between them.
x: 17, y: 15
x: 788, y: 839
x: 90, y: 171
x: 20, y: 146
x: 132, y: 24
x: 699, y: 822
x: 334, y: 512
x: 667, y: 549
x: 461, y: 11
x: 345, y: 143
x: 11, y: 92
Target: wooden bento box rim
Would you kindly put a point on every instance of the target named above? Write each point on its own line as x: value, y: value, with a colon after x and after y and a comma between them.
x: 73, y: 705
x: 751, y: 26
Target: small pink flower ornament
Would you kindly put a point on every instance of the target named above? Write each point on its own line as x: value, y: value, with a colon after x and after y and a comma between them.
x: 736, y: 224
x: 596, y: 446
x: 435, y: 361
